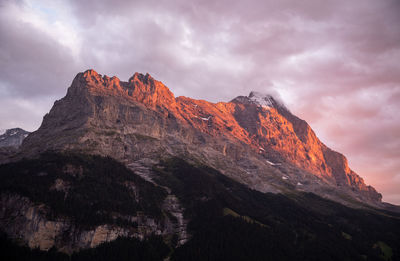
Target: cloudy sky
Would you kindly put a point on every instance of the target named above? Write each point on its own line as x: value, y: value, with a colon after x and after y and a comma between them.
x: 335, y: 64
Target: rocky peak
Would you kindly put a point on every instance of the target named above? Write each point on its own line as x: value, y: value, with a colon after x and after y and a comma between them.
x: 88, y: 76
x: 139, y: 77
x: 149, y: 91
x: 92, y: 78
x: 90, y: 73
x: 264, y: 100
x: 259, y: 99
x: 140, y: 88
x: 12, y: 137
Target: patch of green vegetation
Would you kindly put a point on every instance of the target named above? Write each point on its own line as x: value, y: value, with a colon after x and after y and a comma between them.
x: 346, y: 236
x: 228, y: 211
x: 387, y: 252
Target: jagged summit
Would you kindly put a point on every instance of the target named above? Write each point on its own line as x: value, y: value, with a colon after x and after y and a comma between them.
x: 149, y: 86
x: 140, y: 88
x: 90, y: 72
x: 145, y: 78
x: 91, y: 76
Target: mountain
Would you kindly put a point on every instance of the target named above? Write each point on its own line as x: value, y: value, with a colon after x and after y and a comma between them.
x: 255, y: 140
x: 12, y: 137
x: 120, y: 169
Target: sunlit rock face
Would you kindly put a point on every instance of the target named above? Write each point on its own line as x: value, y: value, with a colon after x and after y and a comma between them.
x: 253, y: 139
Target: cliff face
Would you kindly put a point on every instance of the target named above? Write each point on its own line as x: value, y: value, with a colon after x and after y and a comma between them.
x: 74, y: 201
x: 253, y: 139
x: 30, y: 224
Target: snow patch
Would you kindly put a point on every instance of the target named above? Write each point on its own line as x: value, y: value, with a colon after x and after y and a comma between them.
x: 273, y: 164
x: 284, y: 177
x: 2, y: 131
x: 263, y: 100
x: 206, y: 119
x: 299, y: 184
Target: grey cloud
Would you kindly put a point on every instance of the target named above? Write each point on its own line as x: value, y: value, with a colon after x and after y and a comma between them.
x: 32, y: 64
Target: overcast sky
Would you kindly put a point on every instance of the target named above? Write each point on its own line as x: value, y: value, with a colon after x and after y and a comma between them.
x: 335, y: 64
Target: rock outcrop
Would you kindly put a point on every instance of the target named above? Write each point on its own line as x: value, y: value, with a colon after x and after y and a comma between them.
x: 28, y: 222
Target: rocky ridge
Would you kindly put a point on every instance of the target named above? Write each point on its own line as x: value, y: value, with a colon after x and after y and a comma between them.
x: 252, y: 139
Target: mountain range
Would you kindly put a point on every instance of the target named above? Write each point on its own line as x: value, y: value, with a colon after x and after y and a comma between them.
x: 117, y: 163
